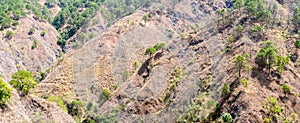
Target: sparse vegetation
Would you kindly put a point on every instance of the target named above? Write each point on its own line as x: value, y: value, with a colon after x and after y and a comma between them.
x: 31, y: 31
x: 286, y: 88
x: 225, y: 89
x: 35, y: 42
x: 43, y: 33
x: 297, y: 44
x: 77, y: 109
x: 9, y: 34
x: 59, y: 102
x: 106, y: 93
x: 244, y: 82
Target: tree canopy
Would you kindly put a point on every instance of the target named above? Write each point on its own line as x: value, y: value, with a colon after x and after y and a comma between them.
x: 23, y: 81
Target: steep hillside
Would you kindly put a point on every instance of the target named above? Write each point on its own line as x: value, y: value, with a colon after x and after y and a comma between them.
x: 156, y: 61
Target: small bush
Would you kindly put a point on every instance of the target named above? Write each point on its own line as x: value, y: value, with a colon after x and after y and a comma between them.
x: 76, y: 108
x: 59, y: 102
x: 225, y: 89
x: 226, y: 118
x: 9, y: 34
x: 31, y: 31
x: 244, y: 82
x: 286, y: 88
x: 230, y: 39
x: 35, y: 42
x: 43, y: 33
x: 267, y: 120
x: 5, y: 92
x: 150, y: 51
x: 106, y: 93
x: 23, y: 81
x: 297, y: 43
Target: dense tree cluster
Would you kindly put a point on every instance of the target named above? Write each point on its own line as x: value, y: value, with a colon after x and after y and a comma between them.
x: 13, y: 10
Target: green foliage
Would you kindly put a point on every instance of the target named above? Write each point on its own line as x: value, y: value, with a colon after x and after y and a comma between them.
x: 9, y: 34
x: 226, y: 118
x: 238, y: 4
x: 43, y: 33
x: 268, y: 57
x: 227, y: 49
x: 176, y: 76
x: 5, y: 92
x: 267, y: 120
x: 35, y: 42
x: 106, y: 93
x: 225, y: 89
x: 244, y: 82
x: 230, y: 39
x: 241, y: 63
x: 150, y: 51
x: 31, y: 31
x: 239, y: 29
x: 273, y: 106
x: 147, y: 17
x: 258, y: 29
x: 59, y: 102
x: 286, y: 88
x: 160, y: 46
x: 13, y: 10
x: 50, y: 3
x: 111, y: 118
x: 297, y: 43
x: 281, y: 62
x: 135, y: 65
x: 76, y: 108
x: 78, y: 13
x: 296, y: 16
x: 258, y: 9
x: 23, y: 81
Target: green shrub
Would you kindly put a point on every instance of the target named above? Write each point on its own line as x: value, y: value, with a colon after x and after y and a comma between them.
x: 230, y: 39
x: 9, y: 34
x: 77, y: 109
x: 160, y: 46
x: 34, y: 44
x: 257, y: 29
x: 225, y: 89
x: 297, y: 43
x: 286, y: 88
x: 226, y: 118
x: 43, y: 33
x: 267, y: 120
x: 23, y: 81
x: 244, y: 82
x: 150, y: 51
x: 106, y: 93
x: 5, y: 92
x: 31, y: 31
x: 59, y: 102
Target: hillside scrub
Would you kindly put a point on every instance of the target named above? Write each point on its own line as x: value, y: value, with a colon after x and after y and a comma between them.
x: 23, y: 81
x: 5, y: 92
